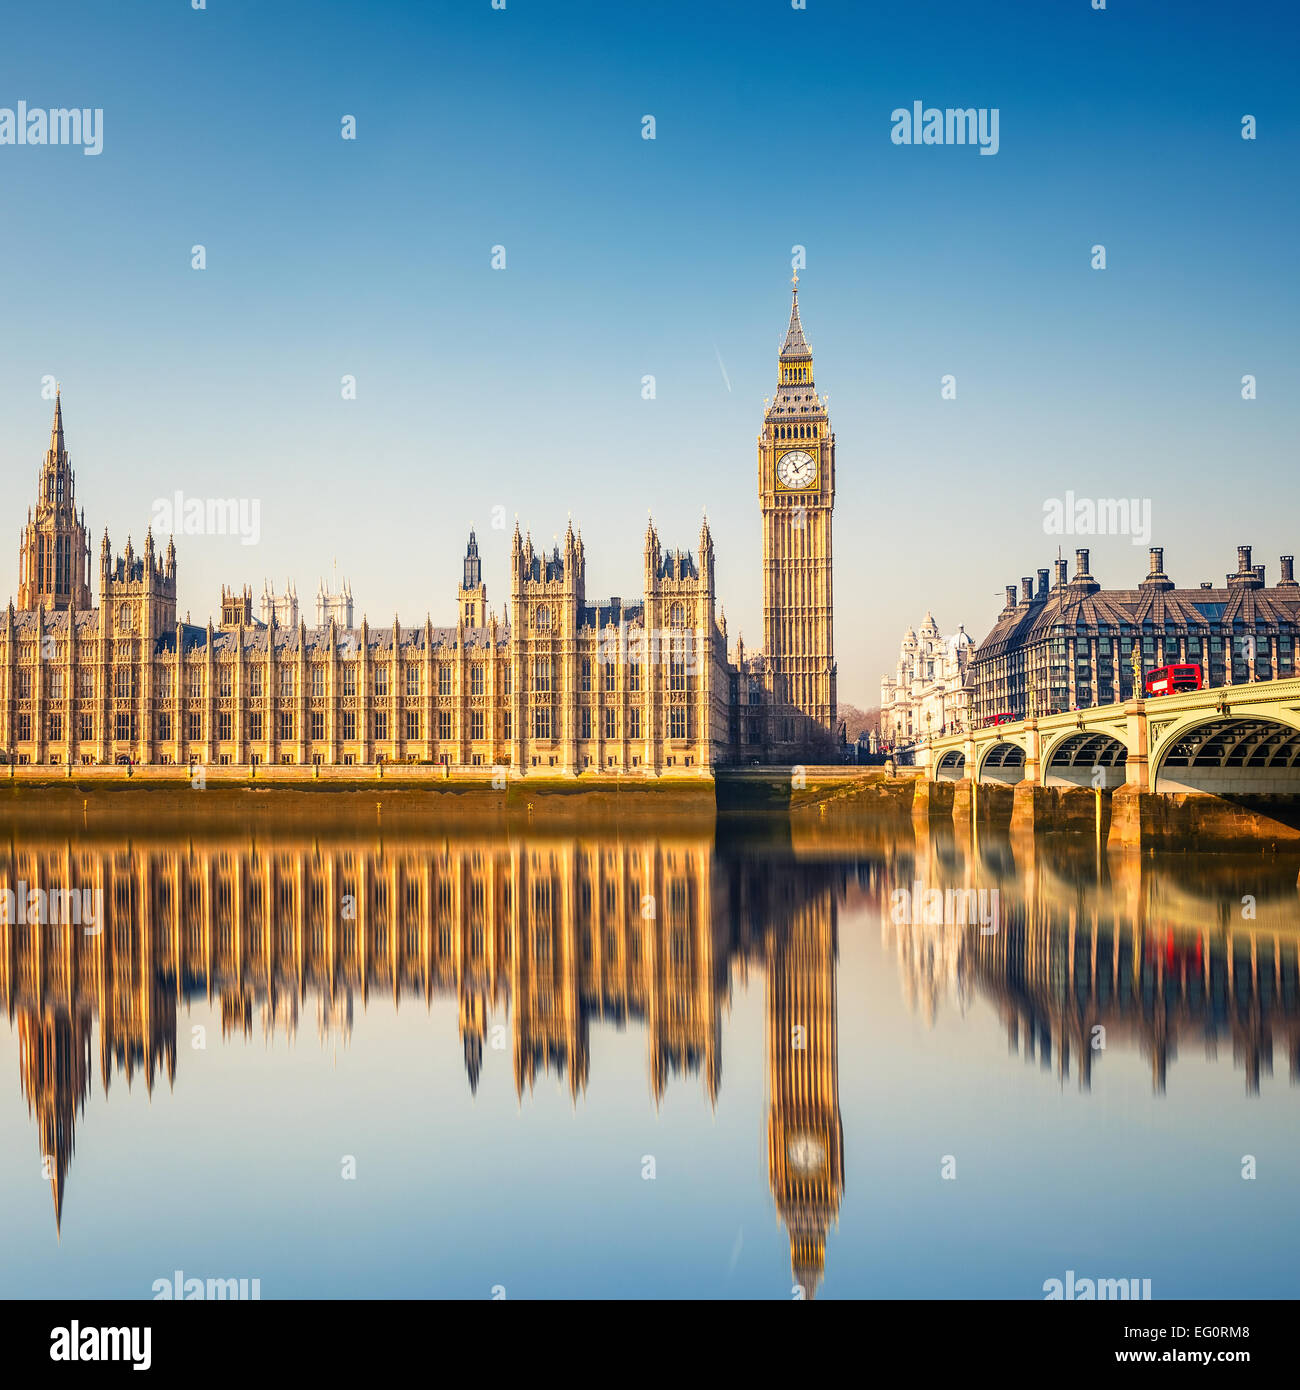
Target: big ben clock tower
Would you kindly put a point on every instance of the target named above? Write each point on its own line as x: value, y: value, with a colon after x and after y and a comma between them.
x: 796, y: 490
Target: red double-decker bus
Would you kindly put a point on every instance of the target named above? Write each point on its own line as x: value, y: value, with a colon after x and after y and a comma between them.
x: 1170, y: 680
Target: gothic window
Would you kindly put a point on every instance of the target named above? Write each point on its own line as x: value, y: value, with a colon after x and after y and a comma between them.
x: 412, y: 679
x: 476, y: 680
x: 677, y: 617
x: 444, y: 679
x: 350, y: 681
x: 444, y: 724
x: 677, y: 722
x: 542, y: 674
x: 586, y: 673
x: 584, y: 722
x: 542, y: 721
x: 543, y: 620
x: 476, y: 724
x: 317, y: 679
x: 381, y: 680
x: 611, y: 722
x: 412, y: 723
x: 286, y: 683
x: 124, y: 617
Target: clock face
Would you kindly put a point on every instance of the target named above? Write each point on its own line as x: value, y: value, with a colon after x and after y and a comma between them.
x: 796, y: 469
x: 806, y: 1154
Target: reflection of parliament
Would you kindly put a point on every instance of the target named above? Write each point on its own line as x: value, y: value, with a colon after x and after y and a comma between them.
x: 569, y: 933
x: 573, y: 936
x: 563, y: 684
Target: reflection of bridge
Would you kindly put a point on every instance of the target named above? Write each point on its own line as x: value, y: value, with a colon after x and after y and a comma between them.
x: 1158, y: 956
x: 1235, y: 739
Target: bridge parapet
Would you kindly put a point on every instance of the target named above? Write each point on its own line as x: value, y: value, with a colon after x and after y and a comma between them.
x: 1137, y: 736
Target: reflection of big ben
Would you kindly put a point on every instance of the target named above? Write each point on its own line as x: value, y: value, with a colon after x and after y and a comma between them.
x: 805, y: 1142
x: 796, y: 490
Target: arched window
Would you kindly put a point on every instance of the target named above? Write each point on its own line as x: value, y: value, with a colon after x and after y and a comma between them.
x: 543, y: 620
x: 677, y: 615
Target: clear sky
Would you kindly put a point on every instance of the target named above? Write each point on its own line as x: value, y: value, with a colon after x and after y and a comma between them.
x: 521, y: 389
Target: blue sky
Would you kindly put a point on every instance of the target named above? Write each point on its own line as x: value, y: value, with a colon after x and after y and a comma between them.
x: 520, y: 389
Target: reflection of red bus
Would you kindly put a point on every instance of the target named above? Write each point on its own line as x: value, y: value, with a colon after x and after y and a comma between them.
x: 1169, y: 680
x: 1174, y: 954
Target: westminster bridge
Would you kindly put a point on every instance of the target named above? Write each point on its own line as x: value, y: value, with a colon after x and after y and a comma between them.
x: 1224, y: 741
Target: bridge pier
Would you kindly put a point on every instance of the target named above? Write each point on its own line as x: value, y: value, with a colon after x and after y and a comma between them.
x: 1137, y: 769
x: 963, y: 800
x: 1033, y: 747
x: 1036, y: 808
x: 931, y: 799
x: 1145, y: 820
x: 993, y: 802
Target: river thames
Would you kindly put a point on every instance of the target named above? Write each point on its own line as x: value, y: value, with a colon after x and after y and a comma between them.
x: 713, y: 1064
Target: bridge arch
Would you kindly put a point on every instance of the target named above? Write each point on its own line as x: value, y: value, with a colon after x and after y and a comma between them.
x: 1070, y: 760
x: 1002, y: 762
x: 1229, y: 754
x: 951, y: 766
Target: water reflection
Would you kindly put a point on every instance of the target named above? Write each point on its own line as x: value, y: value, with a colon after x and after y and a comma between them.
x: 538, y: 938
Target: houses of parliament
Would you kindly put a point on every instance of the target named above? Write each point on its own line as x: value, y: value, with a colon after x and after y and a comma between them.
x: 562, y: 684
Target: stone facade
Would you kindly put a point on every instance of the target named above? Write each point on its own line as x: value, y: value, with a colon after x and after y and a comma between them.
x: 928, y: 693
x: 561, y: 684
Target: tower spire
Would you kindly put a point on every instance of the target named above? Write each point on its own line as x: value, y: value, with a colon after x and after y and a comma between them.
x: 57, y: 449
x: 795, y: 346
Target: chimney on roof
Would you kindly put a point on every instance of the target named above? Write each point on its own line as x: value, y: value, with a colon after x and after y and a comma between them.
x: 1259, y: 571
x: 1011, y: 596
x: 1247, y: 576
x: 1061, y: 567
x: 1288, y: 573
x: 1156, y: 576
x: 1083, y: 581
x: 1027, y: 589
x: 1207, y: 584
x: 1042, y: 584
